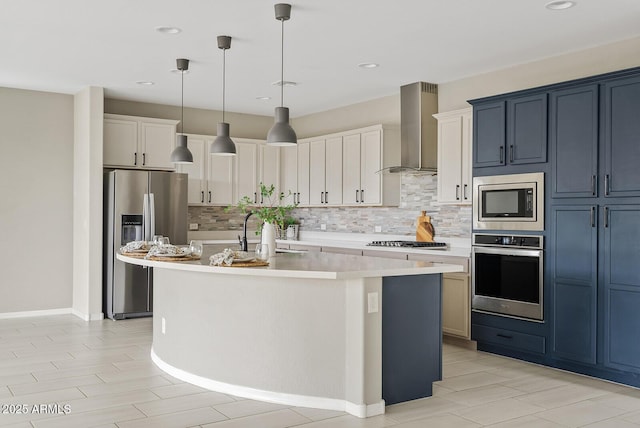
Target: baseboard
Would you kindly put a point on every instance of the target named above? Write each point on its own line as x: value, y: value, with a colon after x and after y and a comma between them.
x: 359, y: 410
x: 88, y: 317
x: 41, y: 313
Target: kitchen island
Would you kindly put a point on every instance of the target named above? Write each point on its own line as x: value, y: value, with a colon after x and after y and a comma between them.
x: 319, y: 330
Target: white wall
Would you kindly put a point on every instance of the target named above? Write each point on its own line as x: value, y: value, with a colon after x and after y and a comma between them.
x: 585, y: 63
x: 87, y: 203
x: 36, y: 191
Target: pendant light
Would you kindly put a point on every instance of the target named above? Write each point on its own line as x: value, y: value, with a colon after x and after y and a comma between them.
x: 281, y: 133
x: 223, y: 144
x: 182, y: 154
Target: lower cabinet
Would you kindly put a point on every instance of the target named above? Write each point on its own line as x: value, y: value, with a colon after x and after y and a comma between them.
x: 456, y: 305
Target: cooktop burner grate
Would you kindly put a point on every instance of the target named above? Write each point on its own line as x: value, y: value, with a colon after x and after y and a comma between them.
x: 407, y: 244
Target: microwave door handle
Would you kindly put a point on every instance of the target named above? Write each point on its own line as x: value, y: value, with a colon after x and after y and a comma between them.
x: 152, y: 212
x: 146, y: 224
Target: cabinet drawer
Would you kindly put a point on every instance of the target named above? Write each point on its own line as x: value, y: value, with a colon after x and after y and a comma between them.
x: 342, y: 250
x: 462, y: 261
x: 509, y: 338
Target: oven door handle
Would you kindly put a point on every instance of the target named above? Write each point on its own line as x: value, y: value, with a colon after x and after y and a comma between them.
x: 503, y: 251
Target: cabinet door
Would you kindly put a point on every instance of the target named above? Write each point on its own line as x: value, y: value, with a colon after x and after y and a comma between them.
x: 289, y: 174
x: 303, y: 173
x: 316, y: 172
x: 467, y: 158
x: 370, y: 164
x: 120, y: 143
x: 450, y: 159
x: 156, y: 143
x: 527, y: 129
x: 489, y: 134
x: 621, y: 270
x: 220, y: 179
x: 456, y: 309
x: 197, y: 183
x: 351, y: 169
x: 621, y: 142
x: 574, y: 278
x: 333, y: 171
x: 269, y: 169
x: 246, y: 170
x: 574, y: 142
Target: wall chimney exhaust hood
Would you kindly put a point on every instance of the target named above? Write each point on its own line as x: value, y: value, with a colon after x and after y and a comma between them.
x: 418, y: 128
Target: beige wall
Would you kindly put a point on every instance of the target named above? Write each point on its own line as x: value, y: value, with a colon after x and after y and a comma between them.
x: 36, y: 211
x: 590, y: 62
x: 196, y: 121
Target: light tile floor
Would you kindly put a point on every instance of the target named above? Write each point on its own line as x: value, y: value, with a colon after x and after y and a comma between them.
x: 103, y: 373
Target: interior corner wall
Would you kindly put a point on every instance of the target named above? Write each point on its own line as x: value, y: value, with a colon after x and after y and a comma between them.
x: 574, y: 65
x: 36, y: 207
x: 87, y: 203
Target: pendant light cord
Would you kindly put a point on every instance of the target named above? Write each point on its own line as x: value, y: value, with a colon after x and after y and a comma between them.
x: 224, y: 79
x: 282, y: 63
x: 182, y: 103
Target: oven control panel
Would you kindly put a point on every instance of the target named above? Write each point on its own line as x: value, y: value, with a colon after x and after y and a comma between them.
x: 519, y: 241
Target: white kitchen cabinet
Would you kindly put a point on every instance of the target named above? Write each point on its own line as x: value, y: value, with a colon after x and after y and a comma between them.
x: 289, y: 174
x: 365, y: 153
x: 211, y: 178
x: 325, y: 171
x: 304, y: 165
x: 138, y: 142
x: 246, y: 171
x: 269, y: 169
x: 454, y: 156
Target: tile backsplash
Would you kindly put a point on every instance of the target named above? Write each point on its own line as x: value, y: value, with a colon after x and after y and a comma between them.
x: 417, y: 193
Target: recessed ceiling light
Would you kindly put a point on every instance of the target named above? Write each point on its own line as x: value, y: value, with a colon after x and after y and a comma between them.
x: 559, y: 4
x: 168, y: 30
x: 284, y: 83
x: 368, y: 65
x: 144, y: 83
x: 263, y: 98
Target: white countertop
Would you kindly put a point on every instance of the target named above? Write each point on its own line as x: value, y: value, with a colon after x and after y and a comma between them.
x: 311, y: 265
x: 456, y: 247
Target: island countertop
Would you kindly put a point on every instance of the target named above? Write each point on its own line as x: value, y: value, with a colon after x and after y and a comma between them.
x: 310, y: 265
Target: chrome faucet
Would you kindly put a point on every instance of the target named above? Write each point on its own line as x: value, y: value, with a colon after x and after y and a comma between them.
x: 243, y: 238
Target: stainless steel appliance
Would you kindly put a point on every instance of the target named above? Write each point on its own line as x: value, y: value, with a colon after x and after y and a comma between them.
x: 138, y: 205
x: 506, y: 272
x: 408, y: 244
x: 509, y: 202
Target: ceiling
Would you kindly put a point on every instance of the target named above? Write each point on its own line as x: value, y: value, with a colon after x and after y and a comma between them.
x: 66, y: 45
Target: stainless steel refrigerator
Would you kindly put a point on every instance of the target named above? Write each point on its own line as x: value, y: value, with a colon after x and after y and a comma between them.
x: 138, y: 205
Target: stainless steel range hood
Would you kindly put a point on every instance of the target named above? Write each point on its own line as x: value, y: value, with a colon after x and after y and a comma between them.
x: 418, y: 128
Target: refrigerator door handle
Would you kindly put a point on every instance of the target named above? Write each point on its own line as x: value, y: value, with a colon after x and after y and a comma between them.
x: 152, y: 206
x: 145, y: 218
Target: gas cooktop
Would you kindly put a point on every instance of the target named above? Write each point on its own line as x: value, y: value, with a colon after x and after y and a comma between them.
x: 408, y: 244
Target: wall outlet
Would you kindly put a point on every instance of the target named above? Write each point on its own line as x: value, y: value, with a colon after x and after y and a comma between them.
x: 378, y: 229
x: 193, y: 226
x: 323, y: 226
x: 164, y: 325
x: 372, y: 302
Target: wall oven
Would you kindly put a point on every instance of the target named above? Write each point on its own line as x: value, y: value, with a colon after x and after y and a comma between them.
x: 509, y: 202
x: 507, y: 275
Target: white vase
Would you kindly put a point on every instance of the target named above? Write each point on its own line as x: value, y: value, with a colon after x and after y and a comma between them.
x: 269, y: 237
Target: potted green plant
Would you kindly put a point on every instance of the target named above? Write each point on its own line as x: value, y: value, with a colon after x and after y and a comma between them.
x: 272, y: 213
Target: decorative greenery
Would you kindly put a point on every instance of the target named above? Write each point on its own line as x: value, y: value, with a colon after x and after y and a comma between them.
x: 271, y: 210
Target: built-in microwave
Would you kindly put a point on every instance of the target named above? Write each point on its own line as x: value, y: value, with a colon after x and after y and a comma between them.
x: 509, y: 202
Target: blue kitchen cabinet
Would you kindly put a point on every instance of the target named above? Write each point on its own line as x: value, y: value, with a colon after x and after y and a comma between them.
x: 573, y: 264
x: 489, y: 134
x: 527, y: 129
x: 621, y: 134
x: 511, y: 131
x: 621, y: 269
x: 573, y: 129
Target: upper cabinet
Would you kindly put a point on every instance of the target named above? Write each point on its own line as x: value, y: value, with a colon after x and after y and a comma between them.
x: 511, y: 131
x: 621, y: 128
x: 256, y: 163
x: 211, y: 178
x: 138, y: 142
x: 454, y: 156
x: 325, y: 171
